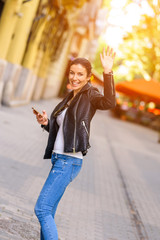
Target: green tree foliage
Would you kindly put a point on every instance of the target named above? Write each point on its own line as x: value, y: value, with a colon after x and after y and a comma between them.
x: 97, y: 63
x: 141, y: 49
x: 101, y: 42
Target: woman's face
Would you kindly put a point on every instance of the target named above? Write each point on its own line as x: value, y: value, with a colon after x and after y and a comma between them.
x: 78, y: 77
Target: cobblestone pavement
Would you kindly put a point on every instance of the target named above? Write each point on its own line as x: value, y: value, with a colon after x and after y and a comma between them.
x: 115, y: 197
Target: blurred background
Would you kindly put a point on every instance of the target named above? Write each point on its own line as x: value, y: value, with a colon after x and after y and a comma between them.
x: 38, y: 38
x: 117, y: 194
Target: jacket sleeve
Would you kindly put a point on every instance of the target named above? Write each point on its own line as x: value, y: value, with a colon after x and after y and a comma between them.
x: 108, y: 100
x: 46, y: 127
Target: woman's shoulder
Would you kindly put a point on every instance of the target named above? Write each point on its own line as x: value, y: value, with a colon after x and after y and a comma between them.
x: 94, y: 93
x: 93, y: 90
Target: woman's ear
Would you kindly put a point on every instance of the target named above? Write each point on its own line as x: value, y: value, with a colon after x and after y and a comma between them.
x: 89, y: 77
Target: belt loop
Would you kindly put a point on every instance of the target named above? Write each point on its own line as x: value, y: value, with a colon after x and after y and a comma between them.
x: 54, y: 154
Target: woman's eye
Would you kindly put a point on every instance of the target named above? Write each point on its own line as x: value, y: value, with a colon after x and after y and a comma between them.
x: 80, y: 74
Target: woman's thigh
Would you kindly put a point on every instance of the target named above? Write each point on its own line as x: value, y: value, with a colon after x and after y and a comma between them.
x: 76, y: 167
x: 57, y: 181
x: 64, y: 170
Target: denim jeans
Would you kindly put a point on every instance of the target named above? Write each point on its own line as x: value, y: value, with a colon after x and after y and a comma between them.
x: 64, y: 169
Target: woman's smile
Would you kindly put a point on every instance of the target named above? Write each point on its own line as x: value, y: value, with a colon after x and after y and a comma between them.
x: 75, y: 83
x: 78, y: 77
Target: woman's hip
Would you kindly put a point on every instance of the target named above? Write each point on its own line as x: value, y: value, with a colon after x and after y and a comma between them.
x: 66, y: 165
x: 64, y: 169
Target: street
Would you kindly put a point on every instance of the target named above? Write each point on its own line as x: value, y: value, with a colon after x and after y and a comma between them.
x: 116, y: 196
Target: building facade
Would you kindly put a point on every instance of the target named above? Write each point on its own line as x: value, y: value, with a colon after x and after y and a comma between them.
x: 37, y: 40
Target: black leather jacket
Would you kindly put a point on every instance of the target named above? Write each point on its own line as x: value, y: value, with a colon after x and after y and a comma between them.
x: 76, y: 126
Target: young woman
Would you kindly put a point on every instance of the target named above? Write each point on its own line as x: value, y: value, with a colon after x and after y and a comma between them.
x: 69, y: 130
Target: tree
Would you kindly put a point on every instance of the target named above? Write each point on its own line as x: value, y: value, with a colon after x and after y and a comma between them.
x: 141, y: 47
x: 140, y: 51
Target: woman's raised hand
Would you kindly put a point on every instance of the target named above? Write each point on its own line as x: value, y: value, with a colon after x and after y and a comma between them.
x: 107, y: 59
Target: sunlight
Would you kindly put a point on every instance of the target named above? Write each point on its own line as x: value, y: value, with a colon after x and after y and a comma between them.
x: 118, y: 4
x: 122, y: 20
x: 113, y: 36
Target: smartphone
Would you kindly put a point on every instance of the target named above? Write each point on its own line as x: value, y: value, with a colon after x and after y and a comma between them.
x: 36, y: 112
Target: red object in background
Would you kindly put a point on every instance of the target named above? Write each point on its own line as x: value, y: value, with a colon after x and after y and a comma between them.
x: 141, y: 108
x: 148, y: 91
x: 154, y: 110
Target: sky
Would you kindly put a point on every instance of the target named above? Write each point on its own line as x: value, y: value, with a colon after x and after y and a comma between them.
x: 121, y: 21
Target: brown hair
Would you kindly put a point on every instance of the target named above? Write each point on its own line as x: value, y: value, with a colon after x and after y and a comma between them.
x: 84, y: 62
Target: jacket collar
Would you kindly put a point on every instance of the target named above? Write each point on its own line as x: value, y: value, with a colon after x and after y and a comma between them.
x: 70, y: 95
x: 84, y: 88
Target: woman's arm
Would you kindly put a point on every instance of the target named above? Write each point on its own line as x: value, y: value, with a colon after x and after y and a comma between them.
x: 46, y: 127
x: 108, y: 100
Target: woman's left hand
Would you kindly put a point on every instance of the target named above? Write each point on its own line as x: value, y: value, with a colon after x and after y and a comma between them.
x: 107, y: 59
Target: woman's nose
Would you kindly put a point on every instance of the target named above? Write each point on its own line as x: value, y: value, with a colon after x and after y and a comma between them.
x: 74, y: 76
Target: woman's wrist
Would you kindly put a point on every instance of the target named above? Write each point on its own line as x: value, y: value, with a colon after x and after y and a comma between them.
x: 108, y: 71
x: 44, y: 123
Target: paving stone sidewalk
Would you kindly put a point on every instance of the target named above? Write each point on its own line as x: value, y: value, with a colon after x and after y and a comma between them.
x: 115, y: 197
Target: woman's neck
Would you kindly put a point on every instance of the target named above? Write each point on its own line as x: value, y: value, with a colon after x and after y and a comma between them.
x: 75, y: 92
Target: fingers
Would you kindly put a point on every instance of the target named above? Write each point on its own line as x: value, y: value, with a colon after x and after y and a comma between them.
x: 41, y: 117
x: 44, y: 112
x: 114, y: 54
x: 42, y: 120
x: 108, y: 48
x: 110, y: 52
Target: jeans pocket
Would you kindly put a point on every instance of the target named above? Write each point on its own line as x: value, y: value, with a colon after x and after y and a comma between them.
x: 75, y: 170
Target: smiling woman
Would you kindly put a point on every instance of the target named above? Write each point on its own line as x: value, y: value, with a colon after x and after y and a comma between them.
x: 79, y: 74
x: 69, y: 132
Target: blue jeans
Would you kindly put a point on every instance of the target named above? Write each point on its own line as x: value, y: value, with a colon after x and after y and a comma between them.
x: 64, y: 170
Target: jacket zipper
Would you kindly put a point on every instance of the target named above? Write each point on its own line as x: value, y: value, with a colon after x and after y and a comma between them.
x: 112, y: 83
x: 83, y: 123
x: 75, y: 125
x: 85, y: 127
x: 74, y: 138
